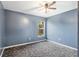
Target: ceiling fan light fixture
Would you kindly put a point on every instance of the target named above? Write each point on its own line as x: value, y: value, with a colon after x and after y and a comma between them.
x: 48, y: 5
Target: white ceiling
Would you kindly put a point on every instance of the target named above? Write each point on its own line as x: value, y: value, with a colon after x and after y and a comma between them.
x: 28, y: 7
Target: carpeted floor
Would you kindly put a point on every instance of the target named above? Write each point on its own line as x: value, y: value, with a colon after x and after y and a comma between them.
x: 42, y: 49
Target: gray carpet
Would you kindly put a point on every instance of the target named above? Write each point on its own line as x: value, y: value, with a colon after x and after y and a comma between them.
x: 42, y: 49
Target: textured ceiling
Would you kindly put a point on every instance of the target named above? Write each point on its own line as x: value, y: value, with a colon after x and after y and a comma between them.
x: 28, y: 7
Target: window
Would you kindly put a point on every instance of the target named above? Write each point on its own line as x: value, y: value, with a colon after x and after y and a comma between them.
x: 41, y: 27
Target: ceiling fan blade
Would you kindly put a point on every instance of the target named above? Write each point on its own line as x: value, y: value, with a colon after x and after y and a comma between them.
x: 41, y: 9
x: 41, y: 5
x: 52, y: 8
x: 33, y: 8
x: 52, y: 3
x: 46, y: 10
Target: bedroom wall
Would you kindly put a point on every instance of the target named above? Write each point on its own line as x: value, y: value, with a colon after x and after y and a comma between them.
x: 62, y: 28
x: 2, y: 36
x: 21, y: 28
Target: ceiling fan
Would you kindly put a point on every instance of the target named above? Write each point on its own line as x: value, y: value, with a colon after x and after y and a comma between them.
x: 48, y: 5
x: 45, y: 5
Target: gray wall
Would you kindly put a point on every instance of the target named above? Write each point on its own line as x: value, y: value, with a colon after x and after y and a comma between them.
x: 1, y: 25
x: 62, y: 28
x: 17, y: 31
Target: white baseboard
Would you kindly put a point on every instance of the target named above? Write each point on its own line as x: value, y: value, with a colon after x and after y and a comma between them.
x: 2, y: 53
x: 22, y: 44
x: 36, y: 42
x: 62, y: 45
x: 19, y: 45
